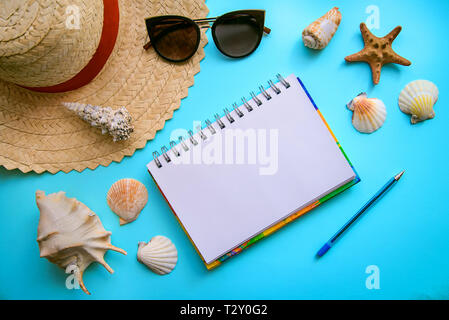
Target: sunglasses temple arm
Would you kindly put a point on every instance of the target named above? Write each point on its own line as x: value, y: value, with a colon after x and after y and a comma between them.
x: 147, y: 45
x: 211, y: 20
x: 205, y: 20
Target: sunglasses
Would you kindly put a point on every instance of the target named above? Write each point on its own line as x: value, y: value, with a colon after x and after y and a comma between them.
x: 236, y: 34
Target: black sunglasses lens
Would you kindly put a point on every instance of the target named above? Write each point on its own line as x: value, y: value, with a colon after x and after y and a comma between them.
x: 175, y: 39
x: 238, y: 35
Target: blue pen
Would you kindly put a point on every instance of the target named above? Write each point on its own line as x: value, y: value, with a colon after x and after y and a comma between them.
x: 383, y: 190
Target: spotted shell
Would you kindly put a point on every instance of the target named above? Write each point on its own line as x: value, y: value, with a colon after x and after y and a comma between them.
x: 417, y: 99
x: 159, y: 254
x: 320, y: 32
x: 369, y: 113
x: 127, y: 198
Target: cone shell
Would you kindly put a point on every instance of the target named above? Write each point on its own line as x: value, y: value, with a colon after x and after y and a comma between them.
x: 127, y: 198
x: 418, y: 99
x: 369, y: 114
x: 320, y: 32
x: 160, y: 255
x: 70, y: 234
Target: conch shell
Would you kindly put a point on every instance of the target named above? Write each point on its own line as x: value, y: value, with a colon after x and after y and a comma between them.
x: 127, y: 198
x: 369, y: 114
x: 418, y: 99
x: 160, y: 255
x: 70, y: 234
x: 118, y: 123
x: 320, y: 32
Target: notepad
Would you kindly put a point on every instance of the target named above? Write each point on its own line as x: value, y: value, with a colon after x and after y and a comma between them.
x: 252, y: 170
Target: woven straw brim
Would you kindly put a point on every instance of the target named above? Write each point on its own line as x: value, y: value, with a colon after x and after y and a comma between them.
x: 38, y: 134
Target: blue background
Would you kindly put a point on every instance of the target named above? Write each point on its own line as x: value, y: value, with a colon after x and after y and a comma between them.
x: 405, y: 234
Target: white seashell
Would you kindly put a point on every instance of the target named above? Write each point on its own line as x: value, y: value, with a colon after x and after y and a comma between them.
x: 127, y: 198
x: 160, y: 255
x: 418, y: 99
x: 369, y: 113
x: 117, y: 123
x: 71, y: 235
x: 320, y: 32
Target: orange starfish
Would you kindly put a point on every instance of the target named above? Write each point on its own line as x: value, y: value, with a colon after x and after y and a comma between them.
x: 378, y: 51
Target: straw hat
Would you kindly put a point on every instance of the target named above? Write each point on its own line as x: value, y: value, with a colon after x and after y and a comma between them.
x: 87, y: 51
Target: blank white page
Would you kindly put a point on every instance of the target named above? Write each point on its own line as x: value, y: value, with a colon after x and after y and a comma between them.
x: 223, y: 205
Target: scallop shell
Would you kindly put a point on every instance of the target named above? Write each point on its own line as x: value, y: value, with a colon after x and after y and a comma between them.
x: 369, y: 113
x: 127, y: 198
x: 320, y: 32
x: 70, y: 234
x: 160, y: 255
x: 418, y: 99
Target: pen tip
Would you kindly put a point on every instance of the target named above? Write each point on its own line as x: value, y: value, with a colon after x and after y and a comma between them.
x: 399, y: 175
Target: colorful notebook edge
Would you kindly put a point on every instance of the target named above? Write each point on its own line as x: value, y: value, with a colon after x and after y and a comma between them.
x: 296, y: 215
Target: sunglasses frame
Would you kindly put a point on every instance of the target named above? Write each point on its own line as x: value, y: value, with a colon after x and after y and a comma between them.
x: 204, y: 23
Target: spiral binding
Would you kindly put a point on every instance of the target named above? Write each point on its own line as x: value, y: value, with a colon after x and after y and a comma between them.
x: 221, y: 125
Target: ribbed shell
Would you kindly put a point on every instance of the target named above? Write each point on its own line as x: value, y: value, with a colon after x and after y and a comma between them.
x: 418, y: 99
x: 320, y: 32
x: 69, y: 233
x: 127, y: 198
x: 369, y: 113
x: 160, y: 255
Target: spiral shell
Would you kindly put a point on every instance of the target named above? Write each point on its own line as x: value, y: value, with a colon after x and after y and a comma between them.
x: 369, y: 113
x: 117, y: 123
x: 160, y: 255
x: 320, y: 32
x: 418, y: 99
x: 71, y: 235
x: 127, y: 198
